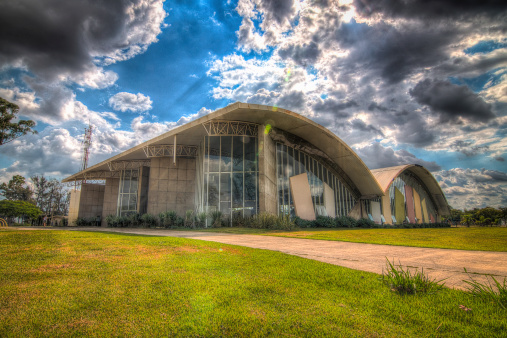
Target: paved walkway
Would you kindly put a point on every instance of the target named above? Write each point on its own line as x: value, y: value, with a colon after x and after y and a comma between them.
x: 438, y: 263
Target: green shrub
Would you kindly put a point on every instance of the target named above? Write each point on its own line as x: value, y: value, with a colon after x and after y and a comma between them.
x: 216, y: 219
x: 406, y: 282
x: 200, y: 220
x: 124, y: 221
x: 190, y: 219
x: 168, y: 218
x: 161, y: 218
x: 325, y: 222
x: 239, y: 220
x: 284, y: 222
x: 345, y: 222
x: 135, y: 220
x: 112, y: 221
x: 365, y: 223
x: 303, y: 223
x: 264, y: 220
x: 85, y: 221
x: 180, y: 222
x: 148, y: 221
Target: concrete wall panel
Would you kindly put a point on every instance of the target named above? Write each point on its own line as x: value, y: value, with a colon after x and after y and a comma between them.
x: 91, y: 200
x: 375, y: 212
x: 410, y: 203
x: 75, y: 197
x: 302, y: 197
x: 267, y: 173
x: 329, y: 201
x: 174, y: 188
x: 110, y: 198
x: 386, y: 209
x: 399, y: 206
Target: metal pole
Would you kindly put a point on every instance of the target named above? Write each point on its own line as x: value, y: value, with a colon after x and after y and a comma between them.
x: 174, y: 151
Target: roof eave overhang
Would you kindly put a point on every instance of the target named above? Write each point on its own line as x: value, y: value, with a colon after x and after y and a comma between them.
x: 386, y: 176
x: 329, y: 143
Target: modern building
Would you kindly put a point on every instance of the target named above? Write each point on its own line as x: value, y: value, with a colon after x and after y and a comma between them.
x: 245, y: 159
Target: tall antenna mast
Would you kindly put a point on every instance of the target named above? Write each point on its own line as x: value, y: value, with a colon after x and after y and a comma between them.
x: 87, y: 141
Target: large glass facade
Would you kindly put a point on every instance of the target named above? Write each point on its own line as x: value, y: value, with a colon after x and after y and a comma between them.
x: 410, y: 201
x: 230, y: 175
x: 128, y: 192
x: 291, y: 162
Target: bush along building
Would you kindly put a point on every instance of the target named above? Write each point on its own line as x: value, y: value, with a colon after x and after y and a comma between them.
x: 247, y: 159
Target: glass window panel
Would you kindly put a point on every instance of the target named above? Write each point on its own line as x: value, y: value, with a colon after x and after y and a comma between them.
x: 206, y: 154
x: 250, y: 154
x: 225, y: 184
x: 214, y: 152
x: 250, y: 187
x: 132, y: 205
x: 285, y: 177
x: 225, y: 187
x: 297, y: 165
x: 134, y: 184
x: 226, y: 152
x: 213, y: 190
x: 205, y: 190
x: 124, y: 202
x: 290, y: 162
x: 225, y: 208
x: 250, y: 208
x: 237, y: 190
x: 125, y: 185
x: 238, y: 152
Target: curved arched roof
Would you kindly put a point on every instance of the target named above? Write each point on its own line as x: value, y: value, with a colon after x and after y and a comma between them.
x: 385, y: 176
x: 192, y: 134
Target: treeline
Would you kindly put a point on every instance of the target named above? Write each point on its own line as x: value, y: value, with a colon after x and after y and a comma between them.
x: 50, y: 196
x: 483, y: 217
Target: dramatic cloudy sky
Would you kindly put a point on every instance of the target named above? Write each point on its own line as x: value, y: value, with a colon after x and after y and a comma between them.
x: 401, y: 81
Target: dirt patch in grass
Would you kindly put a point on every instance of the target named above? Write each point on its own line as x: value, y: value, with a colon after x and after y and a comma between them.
x: 52, y: 267
x: 80, y: 323
x: 187, y: 249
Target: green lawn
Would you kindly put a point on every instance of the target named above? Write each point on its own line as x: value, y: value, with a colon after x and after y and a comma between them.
x: 71, y: 283
x: 475, y: 238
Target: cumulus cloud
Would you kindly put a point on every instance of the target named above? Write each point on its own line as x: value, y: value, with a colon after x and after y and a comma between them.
x: 276, y: 17
x: 452, y: 101
x: 467, y: 147
x: 377, y: 156
x: 58, y: 46
x: 373, y: 70
x: 434, y: 10
x: 130, y: 102
x: 54, y: 151
x: 470, y: 188
x: 59, y: 43
x: 57, y: 39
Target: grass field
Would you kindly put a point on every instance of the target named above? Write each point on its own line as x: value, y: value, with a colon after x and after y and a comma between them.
x: 71, y: 283
x: 475, y: 238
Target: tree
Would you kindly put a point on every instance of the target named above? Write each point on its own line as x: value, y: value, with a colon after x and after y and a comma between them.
x: 12, y: 130
x: 40, y: 184
x: 467, y: 219
x: 15, y: 189
x: 50, y: 195
x: 488, y: 215
x: 12, y: 209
